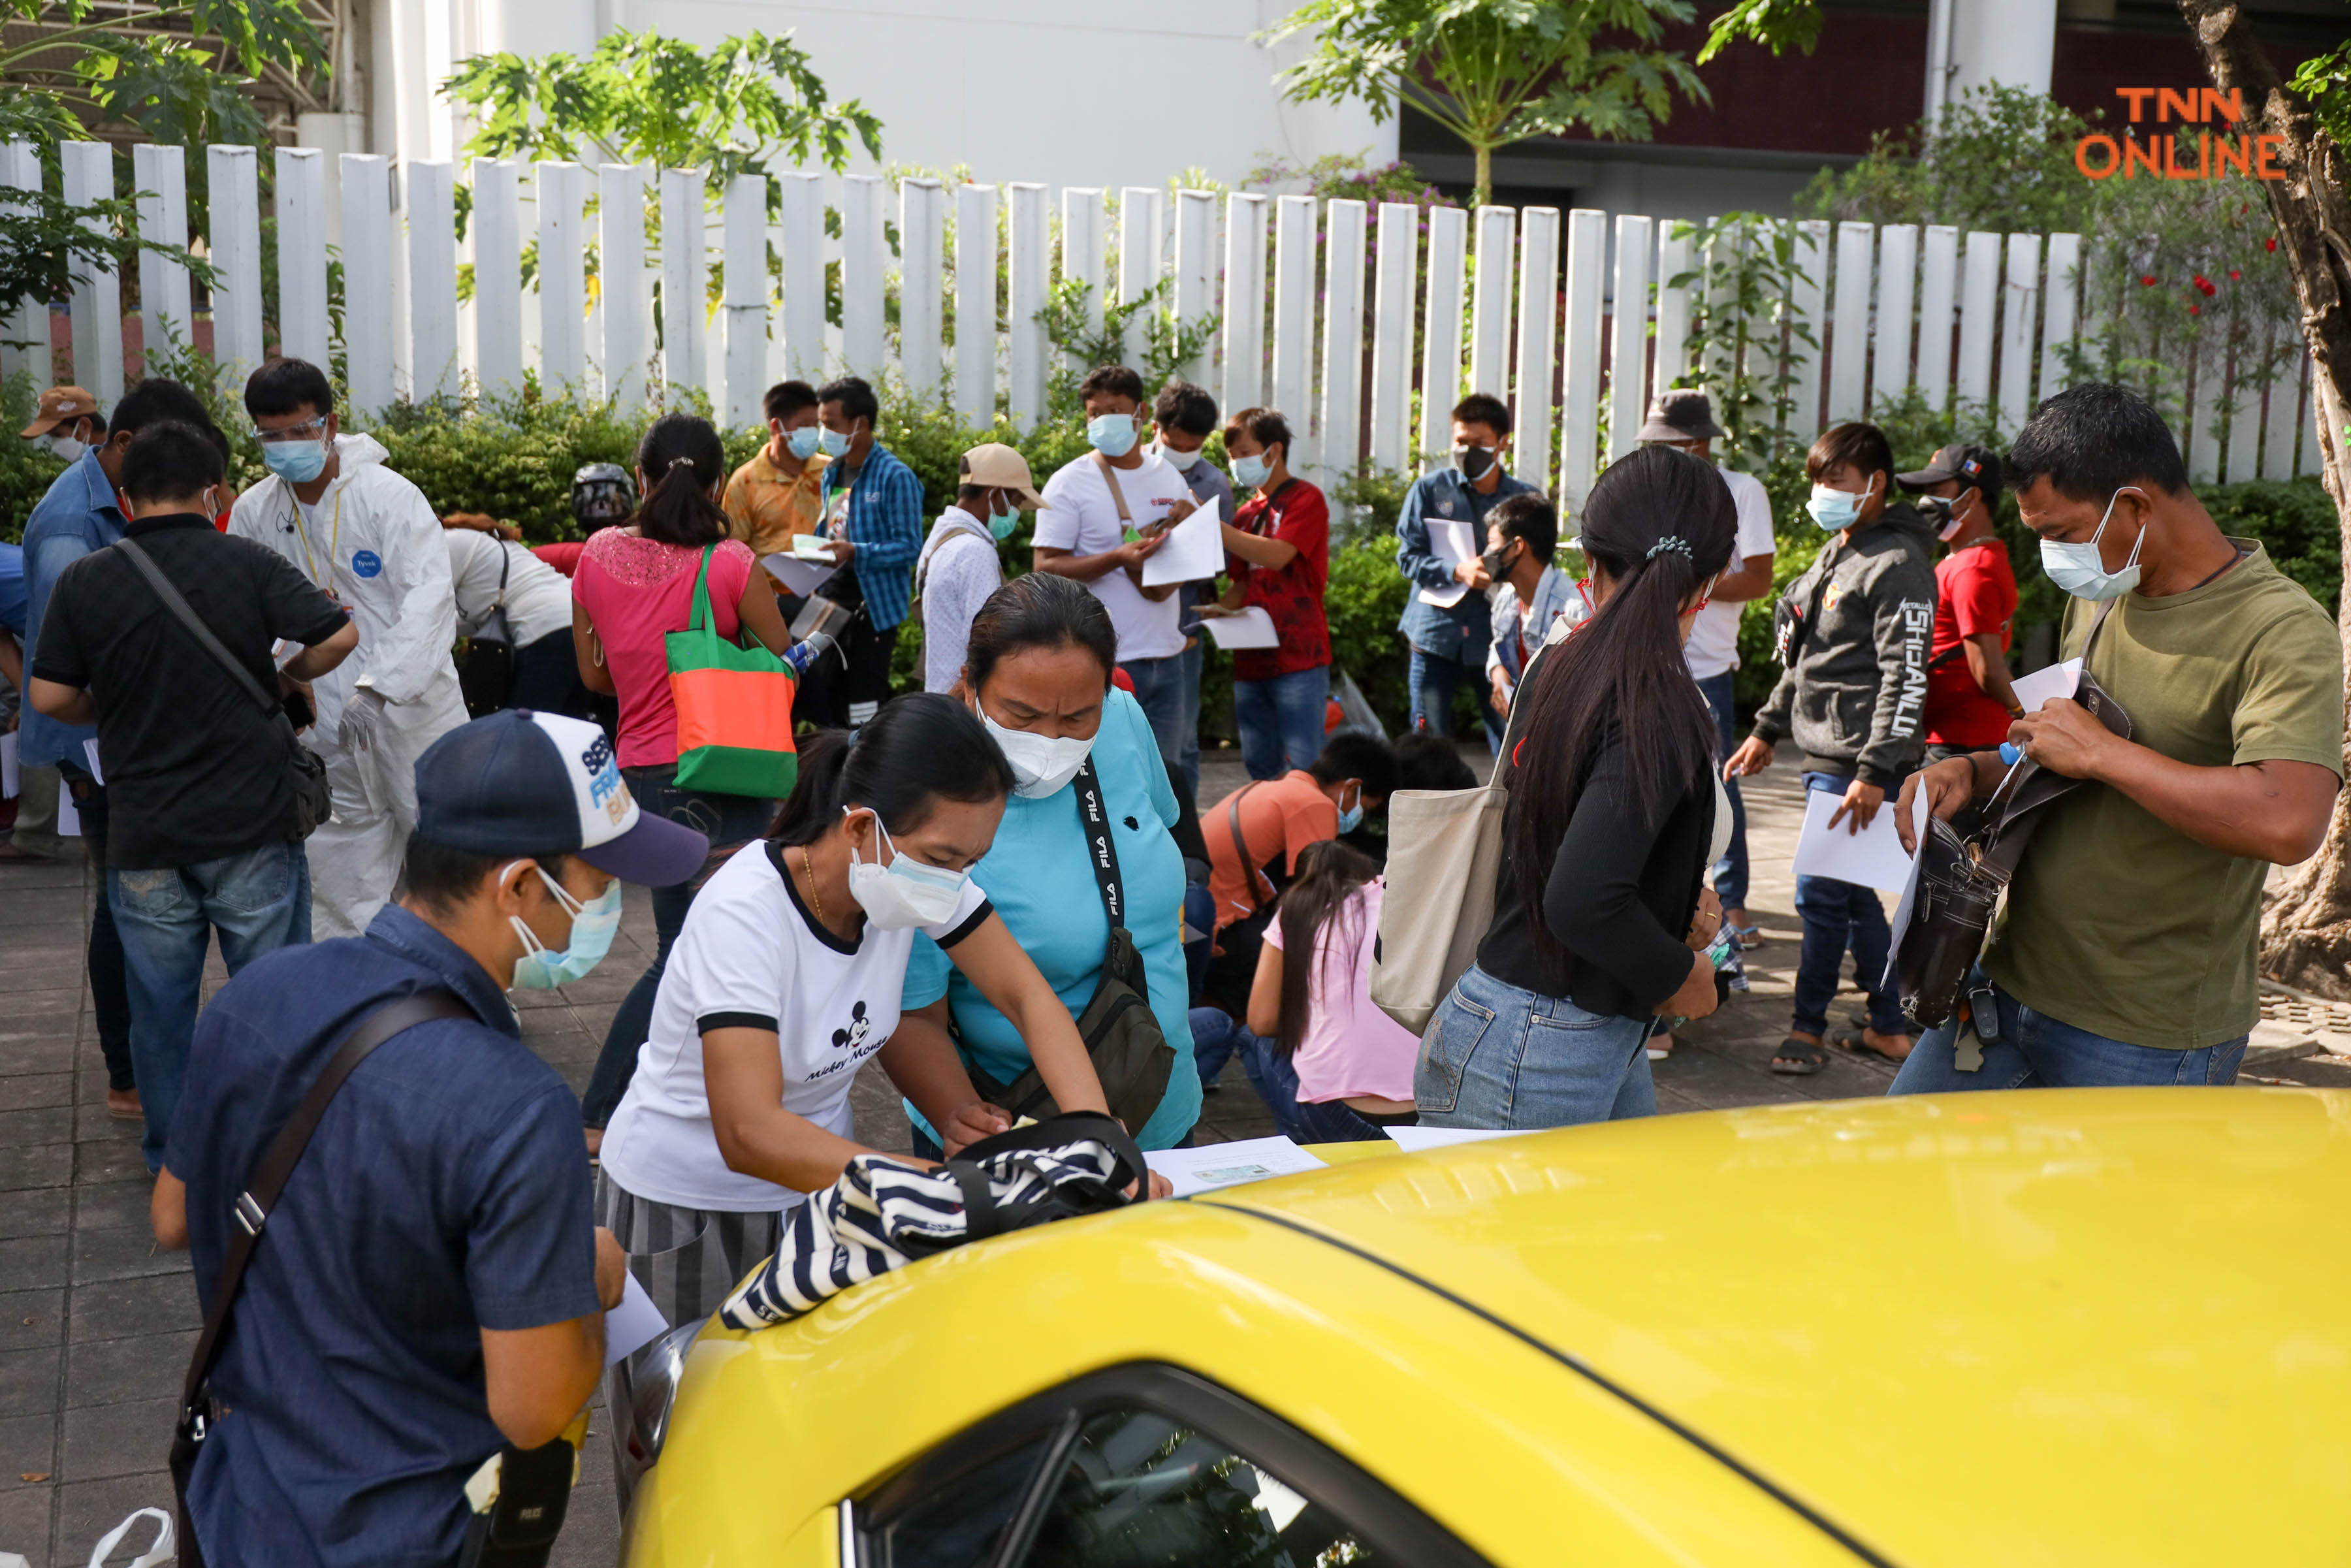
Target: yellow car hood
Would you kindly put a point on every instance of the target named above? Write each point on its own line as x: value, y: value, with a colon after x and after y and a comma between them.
x: 2043, y: 1327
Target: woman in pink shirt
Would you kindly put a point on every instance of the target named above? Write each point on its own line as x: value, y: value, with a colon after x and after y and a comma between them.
x: 633, y: 586
x: 1353, y: 1063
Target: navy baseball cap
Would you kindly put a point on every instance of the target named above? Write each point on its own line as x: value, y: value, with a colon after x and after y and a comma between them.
x: 526, y: 783
x: 1977, y: 467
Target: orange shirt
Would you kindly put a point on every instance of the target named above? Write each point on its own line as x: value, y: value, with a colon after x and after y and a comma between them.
x: 767, y: 506
x: 1276, y: 815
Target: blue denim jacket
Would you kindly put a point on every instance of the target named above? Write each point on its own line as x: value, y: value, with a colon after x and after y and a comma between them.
x: 885, y: 524
x: 78, y: 516
x: 1462, y: 633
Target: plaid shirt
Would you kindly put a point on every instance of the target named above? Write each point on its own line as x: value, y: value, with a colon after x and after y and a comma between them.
x: 885, y: 524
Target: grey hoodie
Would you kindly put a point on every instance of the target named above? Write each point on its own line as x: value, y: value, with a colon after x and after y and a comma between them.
x: 1855, y: 696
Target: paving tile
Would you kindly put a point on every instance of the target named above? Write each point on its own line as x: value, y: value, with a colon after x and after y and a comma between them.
x: 49, y: 1124
x: 28, y: 1446
x: 34, y: 1091
x: 115, y: 1371
x: 118, y: 1309
x: 109, y: 1162
x: 30, y: 1318
x: 29, y: 1262
x: 122, y: 1252
x: 86, y: 1511
x: 592, y: 1530
x: 94, y: 1123
x: 25, y: 1522
x: 125, y: 1439
x: 28, y: 1383
x: 36, y: 1165
x: 40, y: 1211
x: 113, y: 1204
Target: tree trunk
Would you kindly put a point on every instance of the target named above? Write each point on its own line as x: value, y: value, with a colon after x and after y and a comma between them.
x: 1484, y: 193
x: 2306, y: 933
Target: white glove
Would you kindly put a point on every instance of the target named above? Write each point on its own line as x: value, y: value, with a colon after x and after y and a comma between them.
x: 361, y: 716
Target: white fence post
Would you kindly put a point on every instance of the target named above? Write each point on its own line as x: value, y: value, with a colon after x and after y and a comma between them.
x: 801, y: 212
x: 1244, y: 327
x: 232, y: 185
x: 433, y: 281
x: 160, y: 177
x: 1979, y: 318
x: 625, y: 291
x: 1489, y: 313
x: 685, y: 281
x: 1082, y: 259
x: 1339, y: 437
x: 1195, y: 277
x: 2058, y: 311
x: 1031, y: 262
x: 367, y: 283
x: 922, y: 238
x: 562, y: 276
x: 1937, y: 298
x: 302, y: 322
x: 1579, y: 432
x: 974, y: 350
x: 25, y: 337
x: 87, y: 169
x: 2020, y: 307
x: 1294, y: 313
x: 1538, y: 345
x: 1440, y: 351
x: 746, y: 297
x: 1672, y: 357
x: 1141, y: 215
x: 1629, y: 343
x: 497, y: 276
x: 864, y: 267
x: 1398, y: 255
x: 1847, y: 346
x: 1808, y: 297
x: 1897, y: 288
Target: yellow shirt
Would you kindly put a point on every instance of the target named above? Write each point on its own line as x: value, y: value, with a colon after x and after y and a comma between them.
x: 767, y: 507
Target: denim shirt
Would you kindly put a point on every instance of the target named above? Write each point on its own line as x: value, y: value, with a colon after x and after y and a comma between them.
x: 77, y: 517
x: 1461, y: 633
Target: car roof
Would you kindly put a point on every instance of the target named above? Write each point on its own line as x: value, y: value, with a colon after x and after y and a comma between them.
x: 2046, y: 1326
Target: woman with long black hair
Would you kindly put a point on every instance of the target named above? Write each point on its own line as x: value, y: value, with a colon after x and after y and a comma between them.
x: 1600, y: 918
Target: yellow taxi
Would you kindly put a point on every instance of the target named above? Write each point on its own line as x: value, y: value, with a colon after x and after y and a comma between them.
x: 2108, y: 1326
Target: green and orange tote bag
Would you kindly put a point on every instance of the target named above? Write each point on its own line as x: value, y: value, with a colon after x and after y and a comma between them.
x: 734, y: 703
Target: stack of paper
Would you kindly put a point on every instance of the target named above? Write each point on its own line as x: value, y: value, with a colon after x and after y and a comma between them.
x: 1195, y: 551
x: 799, y: 574
x: 1868, y: 857
x: 1452, y: 541
x: 1415, y: 1140
x: 1213, y: 1165
x: 1251, y: 627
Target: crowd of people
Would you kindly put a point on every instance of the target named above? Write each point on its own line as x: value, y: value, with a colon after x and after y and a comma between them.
x: 1004, y: 887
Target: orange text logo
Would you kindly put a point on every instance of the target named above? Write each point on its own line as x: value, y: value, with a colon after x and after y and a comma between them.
x: 2190, y: 155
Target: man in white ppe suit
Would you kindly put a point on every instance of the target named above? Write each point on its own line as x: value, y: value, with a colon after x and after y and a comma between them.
x: 370, y: 539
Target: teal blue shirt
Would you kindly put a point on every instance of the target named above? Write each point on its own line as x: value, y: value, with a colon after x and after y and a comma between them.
x: 1039, y: 880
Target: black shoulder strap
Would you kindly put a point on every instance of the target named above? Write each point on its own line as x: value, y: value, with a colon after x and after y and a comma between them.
x: 277, y: 1162
x: 1250, y: 872
x: 187, y: 617
x: 1101, y: 852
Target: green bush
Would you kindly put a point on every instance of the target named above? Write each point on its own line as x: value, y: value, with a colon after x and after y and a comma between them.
x: 27, y: 468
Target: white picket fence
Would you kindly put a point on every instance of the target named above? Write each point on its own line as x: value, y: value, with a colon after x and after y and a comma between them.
x: 1499, y: 300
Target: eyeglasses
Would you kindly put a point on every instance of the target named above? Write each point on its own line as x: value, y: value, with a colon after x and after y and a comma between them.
x: 292, y: 432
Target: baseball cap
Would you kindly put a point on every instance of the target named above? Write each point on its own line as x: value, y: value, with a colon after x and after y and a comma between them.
x: 1684, y: 414
x: 999, y: 467
x: 58, y: 406
x: 522, y: 782
x: 1975, y: 466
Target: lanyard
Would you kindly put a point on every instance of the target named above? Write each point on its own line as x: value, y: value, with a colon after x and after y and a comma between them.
x: 334, y: 538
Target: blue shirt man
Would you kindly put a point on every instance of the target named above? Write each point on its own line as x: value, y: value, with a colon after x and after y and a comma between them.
x: 78, y: 514
x: 1450, y: 640
x: 872, y: 509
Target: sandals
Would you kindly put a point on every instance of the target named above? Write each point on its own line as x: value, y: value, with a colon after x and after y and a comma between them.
x: 1858, y: 1045
x: 1749, y: 937
x: 1799, y: 1058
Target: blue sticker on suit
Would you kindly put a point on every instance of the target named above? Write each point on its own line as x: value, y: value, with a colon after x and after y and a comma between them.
x: 366, y: 562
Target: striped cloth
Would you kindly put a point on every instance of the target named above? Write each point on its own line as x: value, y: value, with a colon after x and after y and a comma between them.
x: 687, y: 1259
x: 882, y: 1215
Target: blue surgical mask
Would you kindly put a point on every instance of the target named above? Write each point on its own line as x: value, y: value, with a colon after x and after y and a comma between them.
x: 1112, y: 434
x: 296, y: 462
x: 1252, y: 471
x: 831, y: 442
x: 541, y: 967
x: 804, y: 441
x: 1001, y: 524
x: 1836, y: 510
x: 2081, y: 570
x: 1351, y: 817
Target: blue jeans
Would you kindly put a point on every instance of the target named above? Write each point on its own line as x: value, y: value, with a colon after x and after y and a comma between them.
x: 2037, y: 1052
x: 1433, y: 682
x: 1201, y: 911
x: 1281, y: 719
x: 1159, y: 689
x: 1187, y: 744
x: 1217, y: 1036
x: 1336, y: 1122
x: 259, y: 901
x: 1730, y: 871
x: 1495, y: 1056
x: 721, y: 819
x: 1838, y: 915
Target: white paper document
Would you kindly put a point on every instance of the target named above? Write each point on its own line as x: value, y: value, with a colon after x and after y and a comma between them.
x: 1452, y: 541
x: 635, y: 1324
x: 1910, y: 901
x: 1874, y: 857
x: 1416, y: 1140
x: 2055, y: 681
x: 12, y: 778
x: 1213, y: 1165
x: 69, y: 814
x: 89, y: 749
x: 798, y: 576
x: 1252, y: 628
x: 1195, y: 551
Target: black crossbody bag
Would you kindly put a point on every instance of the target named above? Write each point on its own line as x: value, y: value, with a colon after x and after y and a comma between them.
x: 313, y: 802
x: 1131, y: 1054
x: 486, y: 673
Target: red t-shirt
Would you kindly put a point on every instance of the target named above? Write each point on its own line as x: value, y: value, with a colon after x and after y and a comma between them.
x: 1975, y: 596
x: 1292, y: 595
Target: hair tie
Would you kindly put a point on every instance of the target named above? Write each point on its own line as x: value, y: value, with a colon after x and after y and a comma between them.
x: 1671, y: 542
x: 676, y: 461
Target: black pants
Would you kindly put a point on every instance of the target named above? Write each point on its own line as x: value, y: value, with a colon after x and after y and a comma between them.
x: 546, y: 677
x: 849, y: 683
x: 109, y: 980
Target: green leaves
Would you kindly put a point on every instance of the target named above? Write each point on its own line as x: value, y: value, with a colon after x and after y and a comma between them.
x: 2326, y: 82
x: 1778, y: 25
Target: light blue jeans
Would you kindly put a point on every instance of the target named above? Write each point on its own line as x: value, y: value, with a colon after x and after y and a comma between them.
x: 1280, y: 720
x: 1495, y: 1056
x: 2037, y: 1052
x: 259, y: 901
x: 1217, y: 1036
x: 1159, y: 692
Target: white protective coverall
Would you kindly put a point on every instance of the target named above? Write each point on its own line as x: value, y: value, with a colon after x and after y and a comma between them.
x: 373, y: 543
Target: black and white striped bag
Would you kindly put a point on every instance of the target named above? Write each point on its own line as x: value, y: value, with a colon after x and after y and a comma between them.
x: 884, y: 1214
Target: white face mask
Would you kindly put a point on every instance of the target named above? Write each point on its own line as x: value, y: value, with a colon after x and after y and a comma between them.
x: 1042, y: 764
x: 905, y: 892
x: 69, y: 447
x: 1179, y: 461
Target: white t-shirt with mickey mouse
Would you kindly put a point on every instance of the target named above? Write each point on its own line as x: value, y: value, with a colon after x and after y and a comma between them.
x: 752, y: 956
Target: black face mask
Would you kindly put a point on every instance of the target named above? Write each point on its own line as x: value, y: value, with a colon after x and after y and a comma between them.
x: 1499, y: 560
x: 1473, y: 461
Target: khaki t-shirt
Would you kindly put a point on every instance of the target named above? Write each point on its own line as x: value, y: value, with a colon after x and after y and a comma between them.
x: 2118, y: 924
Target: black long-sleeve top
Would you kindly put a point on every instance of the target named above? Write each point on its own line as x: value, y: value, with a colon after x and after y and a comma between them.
x: 1623, y: 887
